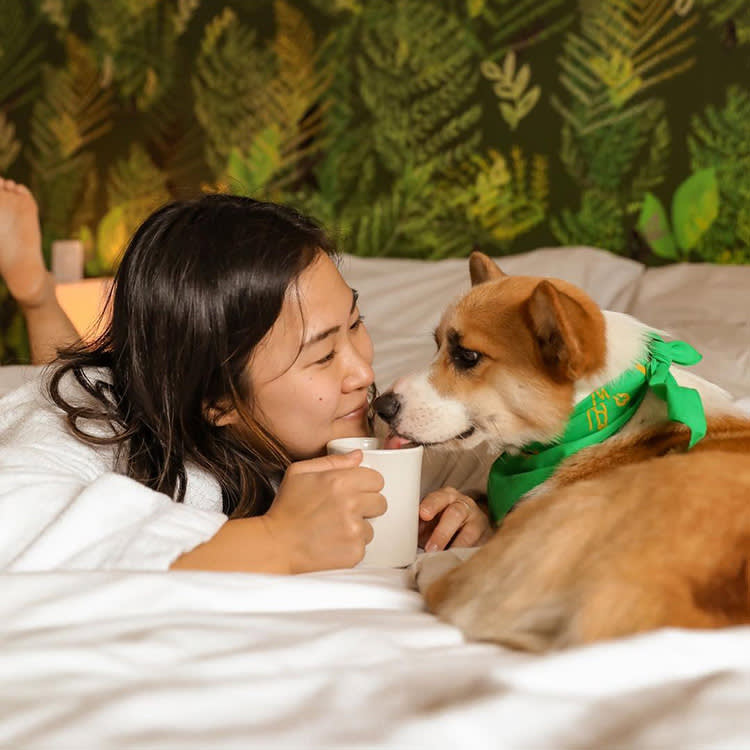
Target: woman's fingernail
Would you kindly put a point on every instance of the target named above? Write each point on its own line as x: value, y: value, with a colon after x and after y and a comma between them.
x: 431, y: 547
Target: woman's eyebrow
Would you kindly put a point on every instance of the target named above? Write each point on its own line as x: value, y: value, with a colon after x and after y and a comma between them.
x: 316, y: 337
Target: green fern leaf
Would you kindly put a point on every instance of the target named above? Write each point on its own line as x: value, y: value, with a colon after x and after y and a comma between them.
x: 20, y: 57
x: 511, y: 88
x: 58, y: 12
x: 230, y: 75
x: 500, y: 200
x: 346, y: 168
x: 598, y: 223
x: 111, y: 238
x: 284, y: 126
x: 10, y: 147
x: 654, y: 227
x: 517, y: 24
x: 137, y: 44
x: 182, y: 14
x: 417, y: 77
x: 338, y: 7
x: 735, y: 11
x: 177, y: 144
x: 695, y: 206
x: 650, y: 170
x: 297, y: 103
x: 73, y: 112
x: 251, y: 174
x: 396, y: 222
x: 720, y: 139
x: 623, y: 49
x: 135, y: 188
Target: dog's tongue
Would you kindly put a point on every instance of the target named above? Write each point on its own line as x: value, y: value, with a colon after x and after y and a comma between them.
x: 393, y: 442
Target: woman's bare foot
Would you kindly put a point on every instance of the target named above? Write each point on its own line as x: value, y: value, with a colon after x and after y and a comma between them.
x: 21, y: 262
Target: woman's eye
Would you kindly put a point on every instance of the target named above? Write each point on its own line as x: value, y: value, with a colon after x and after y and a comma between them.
x: 357, y: 323
x: 329, y: 357
x: 465, y: 359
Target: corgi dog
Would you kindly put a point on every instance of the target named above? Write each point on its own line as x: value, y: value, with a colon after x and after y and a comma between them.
x: 643, y: 523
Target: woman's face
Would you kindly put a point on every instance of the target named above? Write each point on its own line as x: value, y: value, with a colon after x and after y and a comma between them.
x: 311, y: 372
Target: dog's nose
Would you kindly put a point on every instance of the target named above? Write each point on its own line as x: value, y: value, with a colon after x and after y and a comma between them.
x: 387, y: 405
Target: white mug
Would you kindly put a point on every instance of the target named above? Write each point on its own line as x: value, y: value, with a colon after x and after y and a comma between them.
x: 397, y: 530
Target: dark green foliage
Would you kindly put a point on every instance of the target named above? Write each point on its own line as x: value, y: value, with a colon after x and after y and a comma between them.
x: 419, y: 128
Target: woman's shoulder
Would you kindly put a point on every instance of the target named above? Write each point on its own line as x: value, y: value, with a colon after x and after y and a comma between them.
x: 34, y: 427
x: 27, y: 389
x: 23, y: 394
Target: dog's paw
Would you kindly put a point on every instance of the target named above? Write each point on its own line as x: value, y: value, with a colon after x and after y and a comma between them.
x: 430, y: 566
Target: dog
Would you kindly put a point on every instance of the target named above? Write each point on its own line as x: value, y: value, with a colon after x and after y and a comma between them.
x: 648, y: 527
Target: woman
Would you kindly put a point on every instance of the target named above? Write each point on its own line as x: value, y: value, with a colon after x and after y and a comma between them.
x: 234, y: 352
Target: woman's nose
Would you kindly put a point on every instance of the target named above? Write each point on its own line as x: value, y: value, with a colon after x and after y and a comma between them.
x: 361, y: 374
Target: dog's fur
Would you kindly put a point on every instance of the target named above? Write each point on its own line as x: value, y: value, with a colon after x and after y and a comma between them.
x: 632, y: 534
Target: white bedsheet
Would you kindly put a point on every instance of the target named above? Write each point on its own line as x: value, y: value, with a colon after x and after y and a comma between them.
x: 333, y: 660
x: 349, y: 659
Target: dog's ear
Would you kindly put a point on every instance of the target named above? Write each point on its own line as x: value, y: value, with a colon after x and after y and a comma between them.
x: 569, y: 337
x: 482, y: 268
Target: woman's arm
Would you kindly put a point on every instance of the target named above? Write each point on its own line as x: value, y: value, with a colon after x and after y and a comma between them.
x: 242, y: 544
x: 317, y: 521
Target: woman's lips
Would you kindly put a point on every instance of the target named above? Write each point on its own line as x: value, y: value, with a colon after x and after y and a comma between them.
x: 358, y: 413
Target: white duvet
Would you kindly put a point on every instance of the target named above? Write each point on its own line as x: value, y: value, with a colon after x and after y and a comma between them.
x: 336, y: 660
x: 118, y: 659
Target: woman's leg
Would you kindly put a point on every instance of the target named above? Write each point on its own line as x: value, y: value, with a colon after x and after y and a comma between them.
x: 22, y: 268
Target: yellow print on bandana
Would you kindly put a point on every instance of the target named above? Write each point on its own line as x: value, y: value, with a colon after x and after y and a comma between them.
x: 597, y: 415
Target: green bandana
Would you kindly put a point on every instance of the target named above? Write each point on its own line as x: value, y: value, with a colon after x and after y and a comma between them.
x: 599, y: 416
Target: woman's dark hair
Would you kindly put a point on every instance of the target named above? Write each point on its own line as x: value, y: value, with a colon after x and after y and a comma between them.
x: 199, y: 285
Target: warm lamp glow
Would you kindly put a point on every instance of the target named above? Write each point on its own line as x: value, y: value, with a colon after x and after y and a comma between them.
x: 83, y: 302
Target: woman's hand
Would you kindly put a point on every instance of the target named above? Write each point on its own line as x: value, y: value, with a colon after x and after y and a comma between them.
x: 319, y: 515
x: 446, y: 515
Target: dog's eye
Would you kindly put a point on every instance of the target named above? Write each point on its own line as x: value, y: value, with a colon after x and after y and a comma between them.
x: 465, y: 359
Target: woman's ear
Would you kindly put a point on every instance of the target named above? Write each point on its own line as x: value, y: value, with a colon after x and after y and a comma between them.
x: 220, y: 416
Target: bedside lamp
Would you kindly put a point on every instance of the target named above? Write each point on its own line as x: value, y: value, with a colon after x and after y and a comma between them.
x: 83, y: 302
x: 81, y: 299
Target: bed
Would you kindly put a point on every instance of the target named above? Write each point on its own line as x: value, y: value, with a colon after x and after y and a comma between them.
x: 349, y: 658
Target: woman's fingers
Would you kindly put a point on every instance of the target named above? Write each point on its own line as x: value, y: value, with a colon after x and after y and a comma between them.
x: 453, y: 517
x: 471, y: 533
x: 449, y: 517
x: 373, y: 504
x: 436, y: 502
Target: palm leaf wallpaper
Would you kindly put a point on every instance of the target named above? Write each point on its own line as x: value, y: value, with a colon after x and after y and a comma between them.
x: 418, y: 128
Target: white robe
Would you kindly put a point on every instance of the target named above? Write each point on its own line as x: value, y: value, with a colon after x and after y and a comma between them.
x: 64, y: 505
